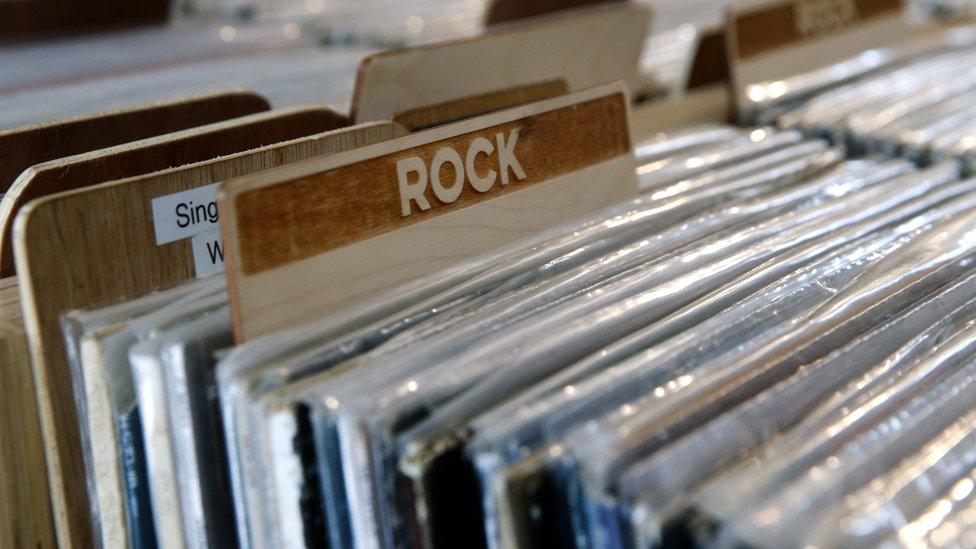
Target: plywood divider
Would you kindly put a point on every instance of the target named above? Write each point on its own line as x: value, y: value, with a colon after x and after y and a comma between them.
x: 154, y: 154
x: 584, y: 49
x: 94, y: 246
x: 29, y: 19
x: 28, y: 145
x: 25, y: 508
x: 771, y: 40
x: 320, y: 236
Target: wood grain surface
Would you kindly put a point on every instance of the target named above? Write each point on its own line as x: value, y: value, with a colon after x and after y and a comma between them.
x: 96, y: 246
x: 294, y: 220
x: 423, y: 118
x: 32, y: 19
x: 589, y: 48
x: 779, y: 25
x: 28, y: 145
x: 508, y: 11
x: 768, y: 41
x: 154, y: 154
x: 25, y: 510
x: 316, y: 237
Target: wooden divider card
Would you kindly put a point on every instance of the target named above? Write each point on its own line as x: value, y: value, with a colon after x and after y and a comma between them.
x: 156, y: 153
x: 769, y: 41
x: 320, y: 236
x: 25, y: 509
x: 562, y: 53
x: 26, y: 518
x: 29, y: 145
x: 98, y: 244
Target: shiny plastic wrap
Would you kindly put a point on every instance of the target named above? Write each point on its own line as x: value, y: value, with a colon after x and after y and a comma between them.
x: 152, y: 409
x: 665, y: 144
x: 881, y: 508
x: 810, y: 245
x: 94, y: 407
x: 304, y: 351
x: 556, y: 337
x: 874, y: 96
x: 530, y: 300
x: 920, y: 108
x: 656, y: 489
x: 596, y: 436
x: 185, y: 355
x: 728, y: 334
x: 777, y: 99
x: 114, y: 408
x: 541, y: 394
x: 948, y: 521
x: 919, y: 134
x: 672, y: 169
x: 605, y: 386
x: 680, y: 403
x: 857, y: 449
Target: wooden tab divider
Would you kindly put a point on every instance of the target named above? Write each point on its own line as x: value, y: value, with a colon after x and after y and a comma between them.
x: 95, y: 245
x: 154, y: 154
x: 587, y: 48
x: 771, y: 40
x: 320, y: 236
x: 29, y: 145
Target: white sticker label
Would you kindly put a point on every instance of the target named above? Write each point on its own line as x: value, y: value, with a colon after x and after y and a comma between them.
x: 186, y: 214
x: 208, y: 253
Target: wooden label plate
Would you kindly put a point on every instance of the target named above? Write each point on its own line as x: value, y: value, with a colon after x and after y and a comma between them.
x: 317, y: 237
x: 423, y: 118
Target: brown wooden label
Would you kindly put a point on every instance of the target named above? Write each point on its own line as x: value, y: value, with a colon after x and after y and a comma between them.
x: 304, y: 217
x: 508, y: 11
x: 710, y: 65
x: 783, y: 24
x: 30, y: 19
